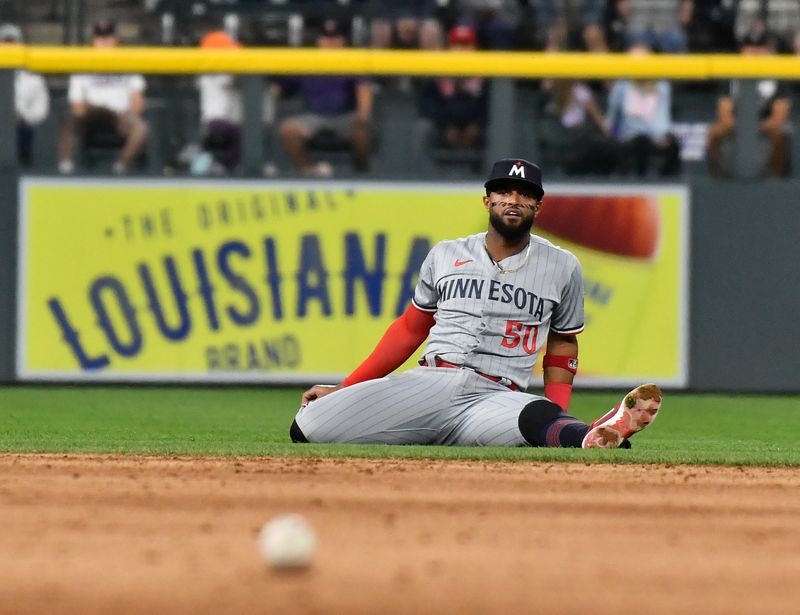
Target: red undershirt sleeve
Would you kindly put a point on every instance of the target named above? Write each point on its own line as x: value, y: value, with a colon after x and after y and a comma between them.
x: 559, y: 393
x: 401, y: 339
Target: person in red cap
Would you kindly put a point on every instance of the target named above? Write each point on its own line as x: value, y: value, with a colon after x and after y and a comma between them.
x: 104, y: 104
x: 462, y: 37
x: 453, y: 110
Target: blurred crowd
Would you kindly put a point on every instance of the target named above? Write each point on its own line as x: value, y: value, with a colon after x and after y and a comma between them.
x: 620, y: 127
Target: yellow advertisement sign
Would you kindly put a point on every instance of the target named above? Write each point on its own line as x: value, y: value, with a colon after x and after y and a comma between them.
x: 284, y: 282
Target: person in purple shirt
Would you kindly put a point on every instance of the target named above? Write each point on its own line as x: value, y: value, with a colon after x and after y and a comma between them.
x: 340, y: 106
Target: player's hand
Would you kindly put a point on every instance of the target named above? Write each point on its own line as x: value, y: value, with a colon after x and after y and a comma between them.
x: 317, y: 391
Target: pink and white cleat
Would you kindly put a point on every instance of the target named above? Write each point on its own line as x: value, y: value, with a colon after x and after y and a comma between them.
x: 635, y: 412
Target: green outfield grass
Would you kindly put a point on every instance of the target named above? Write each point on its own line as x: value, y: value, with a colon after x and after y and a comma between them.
x: 712, y: 429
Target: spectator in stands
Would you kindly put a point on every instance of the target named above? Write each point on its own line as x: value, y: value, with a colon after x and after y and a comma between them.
x: 31, y: 98
x: 220, y: 114
x: 452, y: 110
x: 496, y: 22
x: 337, y: 107
x: 104, y: 104
x: 639, y: 116
x: 659, y: 24
x: 780, y: 17
x: 561, y: 19
x: 773, y: 116
x: 712, y: 26
x: 574, y: 129
x: 407, y: 24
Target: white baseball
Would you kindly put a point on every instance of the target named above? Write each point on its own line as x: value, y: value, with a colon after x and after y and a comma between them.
x: 287, y: 541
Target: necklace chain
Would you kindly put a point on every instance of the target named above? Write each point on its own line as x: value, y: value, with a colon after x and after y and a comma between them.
x: 502, y: 269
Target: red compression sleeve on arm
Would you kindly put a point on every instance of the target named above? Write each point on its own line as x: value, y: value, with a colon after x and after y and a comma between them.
x: 401, y: 339
x: 559, y: 393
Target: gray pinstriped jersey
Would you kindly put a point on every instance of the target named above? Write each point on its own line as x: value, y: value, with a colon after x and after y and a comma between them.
x: 495, y: 322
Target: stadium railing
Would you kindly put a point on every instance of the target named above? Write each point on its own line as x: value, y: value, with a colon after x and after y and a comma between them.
x: 505, y: 68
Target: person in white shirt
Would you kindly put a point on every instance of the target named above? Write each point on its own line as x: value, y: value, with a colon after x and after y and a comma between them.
x: 31, y: 98
x: 104, y: 103
x: 221, y: 110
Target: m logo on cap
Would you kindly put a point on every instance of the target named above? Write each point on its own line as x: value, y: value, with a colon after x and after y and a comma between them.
x: 518, y: 169
x: 515, y: 170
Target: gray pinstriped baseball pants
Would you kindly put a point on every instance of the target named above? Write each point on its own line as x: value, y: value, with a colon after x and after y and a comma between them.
x: 425, y: 405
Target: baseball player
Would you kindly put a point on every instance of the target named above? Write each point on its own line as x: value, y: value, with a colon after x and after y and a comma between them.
x: 487, y: 304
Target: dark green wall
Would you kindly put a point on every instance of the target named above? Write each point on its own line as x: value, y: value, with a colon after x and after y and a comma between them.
x: 745, y: 286
x: 8, y: 226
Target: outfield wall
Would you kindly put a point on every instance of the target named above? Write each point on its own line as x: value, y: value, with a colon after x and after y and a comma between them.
x: 8, y: 273
x: 281, y: 282
x: 745, y: 288
x: 741, y: 280
x: 740, y: 289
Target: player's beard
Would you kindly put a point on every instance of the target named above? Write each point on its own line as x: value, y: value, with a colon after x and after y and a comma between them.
x: 510, y: 233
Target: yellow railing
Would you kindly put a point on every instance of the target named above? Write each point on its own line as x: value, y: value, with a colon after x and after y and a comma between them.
x: 283, y: 61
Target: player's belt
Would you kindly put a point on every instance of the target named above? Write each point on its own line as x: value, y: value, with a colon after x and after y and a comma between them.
x: 437, y: 362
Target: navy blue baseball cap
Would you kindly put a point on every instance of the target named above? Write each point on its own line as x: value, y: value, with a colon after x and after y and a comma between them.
x: 516, y: 170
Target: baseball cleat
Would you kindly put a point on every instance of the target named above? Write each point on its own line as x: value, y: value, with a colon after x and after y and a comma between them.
x: 635, y: 412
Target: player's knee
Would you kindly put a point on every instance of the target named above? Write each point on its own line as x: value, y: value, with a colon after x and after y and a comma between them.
x: 296, y: 434
x: 534, y: 417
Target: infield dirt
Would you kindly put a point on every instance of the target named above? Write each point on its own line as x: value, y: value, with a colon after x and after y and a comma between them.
x: 101, y: 534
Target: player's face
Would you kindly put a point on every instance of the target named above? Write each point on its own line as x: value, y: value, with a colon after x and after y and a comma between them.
x: 512, y: 210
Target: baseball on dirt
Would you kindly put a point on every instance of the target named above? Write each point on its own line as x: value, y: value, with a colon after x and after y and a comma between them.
x: 287, y: 541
